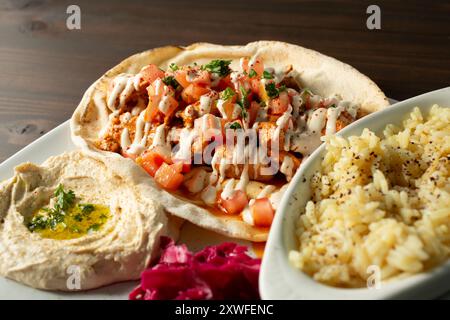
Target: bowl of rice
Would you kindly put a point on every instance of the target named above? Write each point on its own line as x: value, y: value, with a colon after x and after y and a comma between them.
x: 367, y: 216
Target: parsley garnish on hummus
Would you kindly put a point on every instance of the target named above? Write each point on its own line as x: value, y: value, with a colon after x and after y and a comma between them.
x: 67, y: 219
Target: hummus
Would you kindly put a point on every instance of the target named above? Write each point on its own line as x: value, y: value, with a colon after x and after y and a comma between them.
x: 118, y: 235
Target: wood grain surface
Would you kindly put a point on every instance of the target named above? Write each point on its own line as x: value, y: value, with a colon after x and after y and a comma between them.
x: 45, y: 68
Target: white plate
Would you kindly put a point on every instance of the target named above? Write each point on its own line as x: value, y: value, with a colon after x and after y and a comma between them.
x: 56, y: 142
x: 279, y: 280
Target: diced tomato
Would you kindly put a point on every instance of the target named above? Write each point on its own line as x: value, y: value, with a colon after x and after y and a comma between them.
x: 203, y: 78
x: 253, y: 112
x: 154, y: 101
x: 149, y: 165
x: 225, y: 83
x: 149, y: 74
x: 199, y: 77
x: 192, y: 93
x: 152, y: 108
x: 244, y: 64
x: 236, y: 203
x: 169, y: 176
x: 262, y: 212
x: 152, y: 159
x: 256, y: 65
x: 172, y: 105
x: 158, y: 88
x: 185, y: 166
x: 163, y: 153
x: 180, y: 76
x: 280, y: 104
x: 228, y: 106
x: 151, y: 89
x: 255, y: 85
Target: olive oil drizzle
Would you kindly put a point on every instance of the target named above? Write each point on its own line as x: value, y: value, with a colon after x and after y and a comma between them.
x: 68, y: 219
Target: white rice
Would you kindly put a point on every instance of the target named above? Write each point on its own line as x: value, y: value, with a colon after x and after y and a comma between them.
x: 379, y: 202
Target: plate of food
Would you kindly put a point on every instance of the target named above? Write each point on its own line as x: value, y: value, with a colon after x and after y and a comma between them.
x: 172, y: 166
x: 367, y: 215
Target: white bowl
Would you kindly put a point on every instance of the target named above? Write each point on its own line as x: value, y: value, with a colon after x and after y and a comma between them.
x: 279, y: 280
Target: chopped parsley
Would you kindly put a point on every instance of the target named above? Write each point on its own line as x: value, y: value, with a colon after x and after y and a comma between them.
x: 282, y: 88
x: 86, y: 208
x: 227, y: 94
x: 67, y: 219
x: 252, y: 73
x: 267, y: 75
x: 39, y: 222
x: 173, y: 67
x: 220, y: 67
x: 75, y: 230
x: 244, y: 113
x: 64, y: 201
x: 170, y: 81
x: 94, y: 227
x: 272, y: 90
x: 235, y: 125
x: 85, y: 211
x: 243, y: 102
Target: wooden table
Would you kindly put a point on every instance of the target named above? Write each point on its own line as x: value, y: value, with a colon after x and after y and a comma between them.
x: 45, y: 68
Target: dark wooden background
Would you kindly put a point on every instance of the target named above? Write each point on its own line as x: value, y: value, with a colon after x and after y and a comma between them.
x: 45, y: 68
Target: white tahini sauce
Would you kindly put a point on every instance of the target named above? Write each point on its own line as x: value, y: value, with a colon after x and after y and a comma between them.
x: 309, y: 140
x: 159, y: 139
x: 125, y: 139
x: 244, y: 179
x: 221, y: 108
x: 187, y: 137
x: 205, y: 104
x: 140, y: 136
x: 228, y: 190
x: 164, y: 104
x: 123, y: 87
x: 264, y: 193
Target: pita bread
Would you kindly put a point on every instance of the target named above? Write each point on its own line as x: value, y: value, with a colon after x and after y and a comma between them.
x: 322, y: 74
